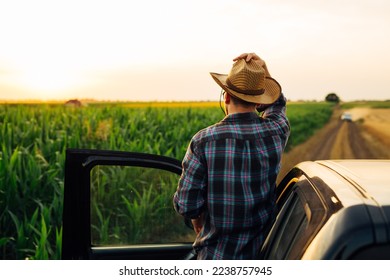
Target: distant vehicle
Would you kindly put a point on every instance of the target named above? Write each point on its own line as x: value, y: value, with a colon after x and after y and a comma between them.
x: 346, y: 117
x: 331, y: 209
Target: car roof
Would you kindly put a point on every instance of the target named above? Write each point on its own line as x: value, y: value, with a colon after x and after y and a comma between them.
x: 372, y: 177
x: 351, y: 182
x: 361, y: 188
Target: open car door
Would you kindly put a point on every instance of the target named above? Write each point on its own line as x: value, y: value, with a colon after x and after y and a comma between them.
x: 118, y: 205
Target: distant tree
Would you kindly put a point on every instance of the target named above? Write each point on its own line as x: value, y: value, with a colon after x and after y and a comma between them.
x: 332, y: 97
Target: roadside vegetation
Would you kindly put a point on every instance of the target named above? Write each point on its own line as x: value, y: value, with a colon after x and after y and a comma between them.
x: 370, y: 104
x: 33, y: 141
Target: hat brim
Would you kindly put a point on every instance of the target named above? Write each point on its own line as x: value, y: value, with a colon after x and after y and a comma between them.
x: 271, y: 94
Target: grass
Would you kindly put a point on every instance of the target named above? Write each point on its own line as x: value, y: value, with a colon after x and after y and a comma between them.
x: 370, y: 104
x: 126, y: 206
x: 306, y: 119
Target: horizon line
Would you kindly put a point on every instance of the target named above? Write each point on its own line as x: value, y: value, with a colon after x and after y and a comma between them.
x: 91, y: 100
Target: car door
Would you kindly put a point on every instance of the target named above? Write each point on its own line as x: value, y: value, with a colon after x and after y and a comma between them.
x: 302, y: 212
x: 118, y: 205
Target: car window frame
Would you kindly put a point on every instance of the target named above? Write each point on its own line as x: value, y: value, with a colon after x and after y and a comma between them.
x: 76, y: 240
x: 315, y: 210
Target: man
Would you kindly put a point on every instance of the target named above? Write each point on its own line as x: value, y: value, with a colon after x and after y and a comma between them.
x: 227, y: 186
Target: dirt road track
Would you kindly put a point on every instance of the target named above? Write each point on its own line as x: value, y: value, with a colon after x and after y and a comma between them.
x: 361, y: 139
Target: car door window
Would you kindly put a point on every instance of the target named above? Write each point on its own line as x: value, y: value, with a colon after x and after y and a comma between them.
x: 301, y: 215
x: 132, y: 205
x: 293, y: 218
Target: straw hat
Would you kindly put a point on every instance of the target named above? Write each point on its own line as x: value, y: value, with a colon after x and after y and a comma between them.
x: 247, y: 81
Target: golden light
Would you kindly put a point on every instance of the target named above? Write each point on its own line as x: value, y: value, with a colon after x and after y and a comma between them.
x: 47, y: 75
x: 47, y: 80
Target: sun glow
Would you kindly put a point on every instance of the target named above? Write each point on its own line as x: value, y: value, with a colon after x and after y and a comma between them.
x: 47, y: 80
x: 114, y: 49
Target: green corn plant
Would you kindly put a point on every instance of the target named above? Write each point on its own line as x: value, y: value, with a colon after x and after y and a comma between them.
x: 101, y: 227
x: 41, y: 244
x: 58, y: 251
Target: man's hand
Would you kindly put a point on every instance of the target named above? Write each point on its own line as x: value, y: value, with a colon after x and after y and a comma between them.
x: 255, y: 57
x: 248, y: 57
x: 198, y: 223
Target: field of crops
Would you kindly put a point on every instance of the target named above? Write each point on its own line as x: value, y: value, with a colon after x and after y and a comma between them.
x: 33, y: 141
x: 370, y: 104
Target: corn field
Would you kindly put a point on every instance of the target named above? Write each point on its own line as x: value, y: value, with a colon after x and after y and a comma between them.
x: 33, y: 141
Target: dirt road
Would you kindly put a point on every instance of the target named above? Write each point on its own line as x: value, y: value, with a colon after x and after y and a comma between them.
x: 366, y: 137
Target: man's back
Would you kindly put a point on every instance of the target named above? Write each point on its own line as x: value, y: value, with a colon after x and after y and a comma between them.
x: 234, y: 163
x: 227, y: 186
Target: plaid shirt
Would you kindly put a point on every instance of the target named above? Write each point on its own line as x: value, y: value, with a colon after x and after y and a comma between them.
x: 229, y: 175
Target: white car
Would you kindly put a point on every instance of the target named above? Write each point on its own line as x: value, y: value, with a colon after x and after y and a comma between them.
x: 346, y: 117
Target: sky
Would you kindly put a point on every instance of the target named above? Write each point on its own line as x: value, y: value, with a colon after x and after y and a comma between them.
x: 154, y: 50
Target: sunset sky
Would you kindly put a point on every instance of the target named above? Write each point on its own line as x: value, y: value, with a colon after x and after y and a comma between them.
x: 164, y: 50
